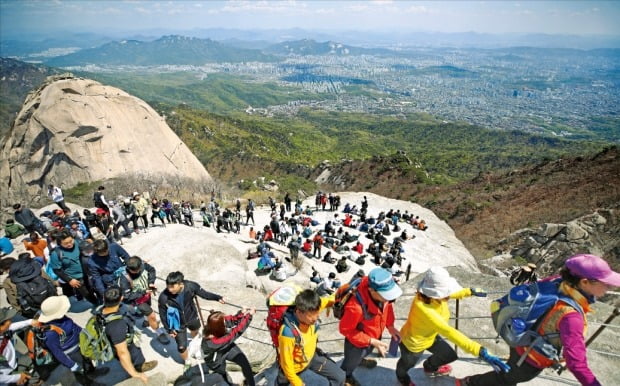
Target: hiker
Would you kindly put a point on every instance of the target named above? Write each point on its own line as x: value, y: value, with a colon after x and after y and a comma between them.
x: 138, y: 286
x: 99, y: 199
x: 6, y: 246
x: 178, y: 311
x: 584, y: 278
x: 119, y: 219
x: 130, y: 213
x: 328, y: 285
x: 427, y: 326
x: 12, y: 230
x: 307, y: 246
x: 249, y: 212
x: 341, y: 265
x: 55, y: 193
x: 27, y: 219
x: 120, y: 333
x: 13, y: 370
x: 317, y: 241
x: 363, y: 324
x: 65, y: 261
x: 297, y: 355
x: 294, y: 246
x: 105, y: 265
x: 31, y: 287
x: 61, y: 337
x: 188, y: 215
x: 218, y: 342
x: 157, y: 212
x: 142, y: 207
x: 37, y: 246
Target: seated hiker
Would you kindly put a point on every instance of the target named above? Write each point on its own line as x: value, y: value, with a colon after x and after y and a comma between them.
x: 265, y: 263
x: 328, y: 258
x: 422, y: 225
x: 316, y: 276
x: 348, y: 238
x: 307, y: 247
x: 6, y: 246
x: 280, y: 272
x: 13, y: 230
x: 342, y: 265
x: 328, y: 285
x: 60, y: 335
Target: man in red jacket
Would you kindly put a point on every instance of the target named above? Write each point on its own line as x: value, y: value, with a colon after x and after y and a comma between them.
x: 365, y: 317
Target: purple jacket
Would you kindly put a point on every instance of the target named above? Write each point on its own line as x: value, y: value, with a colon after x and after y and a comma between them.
x: 571, y: 335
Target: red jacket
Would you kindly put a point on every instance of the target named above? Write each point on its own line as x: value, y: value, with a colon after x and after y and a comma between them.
x: 353, y: 317
x: 359, y: 248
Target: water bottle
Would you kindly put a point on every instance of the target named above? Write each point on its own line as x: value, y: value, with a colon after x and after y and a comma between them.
x: 518, y: 326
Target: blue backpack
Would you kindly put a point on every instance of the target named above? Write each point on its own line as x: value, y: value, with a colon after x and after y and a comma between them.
x: 517, y: 315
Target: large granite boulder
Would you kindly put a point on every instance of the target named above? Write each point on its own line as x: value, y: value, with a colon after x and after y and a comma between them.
x: 74, y: 130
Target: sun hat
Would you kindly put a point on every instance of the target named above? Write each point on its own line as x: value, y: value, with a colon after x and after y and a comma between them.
x: 7, y: 313
x: 382, y: 281
x: 594, y: 268
x: 438, y: 284
x: 54, y: 307
x: 135, y: 194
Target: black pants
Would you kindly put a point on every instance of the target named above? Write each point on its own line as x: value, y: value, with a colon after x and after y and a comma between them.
x: 442, y: 354
x: 517, y: 374
x: 353, y: 357
x: 321, y: 365
x: 82, y: 293
x: 237, y: 356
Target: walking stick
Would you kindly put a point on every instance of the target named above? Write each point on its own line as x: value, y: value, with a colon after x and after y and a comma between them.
x: 607, y: 321
x: 202, y: 319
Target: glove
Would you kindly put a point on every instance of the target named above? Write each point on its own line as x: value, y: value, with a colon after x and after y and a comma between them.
x: 497, y: 364
x: 479, y: 292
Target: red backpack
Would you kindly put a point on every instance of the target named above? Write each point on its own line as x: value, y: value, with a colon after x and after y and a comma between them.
x: 278, y: 303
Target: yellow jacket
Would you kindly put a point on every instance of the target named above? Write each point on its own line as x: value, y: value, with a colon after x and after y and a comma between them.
x: 425, y: 321
x: 292, y: 359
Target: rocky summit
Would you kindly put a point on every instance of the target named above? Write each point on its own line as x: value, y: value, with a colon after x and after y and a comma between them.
x: 73, y: 130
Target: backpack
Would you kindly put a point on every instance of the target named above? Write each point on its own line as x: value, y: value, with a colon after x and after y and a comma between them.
x: 94, y: 343
x: 344, y: 293
x: 279, y: 302
x: 35, y: 341
x: 517, y: 315
x: 32, y: 293
x: 97, y: 200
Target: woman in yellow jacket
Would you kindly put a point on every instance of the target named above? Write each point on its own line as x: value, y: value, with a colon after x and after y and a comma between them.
x: 427, y: 323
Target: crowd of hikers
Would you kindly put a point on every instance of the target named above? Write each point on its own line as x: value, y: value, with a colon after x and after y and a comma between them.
x: 79, y: 256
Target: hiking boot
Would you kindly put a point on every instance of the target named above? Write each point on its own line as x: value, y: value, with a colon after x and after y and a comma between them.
x: 461, y: 382
x: 441, y: 371
x: 163, y: 338
x: 368, y: 363
x: 350, y: 381
x: 147, y: 366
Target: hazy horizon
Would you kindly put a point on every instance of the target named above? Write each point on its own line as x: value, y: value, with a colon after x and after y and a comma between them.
x: 575, y: 18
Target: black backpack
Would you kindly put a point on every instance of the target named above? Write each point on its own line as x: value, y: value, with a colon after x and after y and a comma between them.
x: 97, y: 200
x: 32, y: 293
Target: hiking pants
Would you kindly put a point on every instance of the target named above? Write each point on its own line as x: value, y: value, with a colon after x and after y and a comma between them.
x: 82, y: 293
x: 353, y: 357
x: 517, y: 374
x: 321, y: 365
x: 237, y: 356
x: 442, y: 354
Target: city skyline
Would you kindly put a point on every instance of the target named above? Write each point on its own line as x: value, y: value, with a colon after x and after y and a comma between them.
x: 580, y: 18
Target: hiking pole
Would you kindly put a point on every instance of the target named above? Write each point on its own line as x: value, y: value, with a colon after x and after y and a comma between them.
x: 607, y: 321
x: 202, y: 319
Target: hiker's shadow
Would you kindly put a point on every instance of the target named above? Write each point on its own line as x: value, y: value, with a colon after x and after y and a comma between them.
x: 168, y: 350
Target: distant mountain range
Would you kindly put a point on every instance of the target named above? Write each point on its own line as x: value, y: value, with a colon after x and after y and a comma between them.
x: 171, y: 49
x: 312, y: 47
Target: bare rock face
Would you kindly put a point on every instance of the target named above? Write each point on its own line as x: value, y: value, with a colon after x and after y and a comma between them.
x: 75, y: 130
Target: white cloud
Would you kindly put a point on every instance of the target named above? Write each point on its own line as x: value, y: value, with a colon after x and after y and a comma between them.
x: 417, y: 9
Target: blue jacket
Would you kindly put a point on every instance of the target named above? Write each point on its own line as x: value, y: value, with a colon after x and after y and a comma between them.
x: 5, y: 245
x: 60, y: 350
x: 102, y: 269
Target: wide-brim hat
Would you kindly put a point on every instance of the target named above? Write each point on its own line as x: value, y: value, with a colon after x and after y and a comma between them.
x: 438, y: 284
x: 7, y: 313
x: 54, y: 307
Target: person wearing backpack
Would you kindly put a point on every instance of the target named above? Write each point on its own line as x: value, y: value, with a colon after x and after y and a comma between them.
x: 106, y: 265
x: 364, y: 319
x: 138, y: 286
x: 100, y: 201
x: 178, y: 311
x: 297, y: 343
x: 583, y: 279
x: 427, y: 326
x: 66, y: 262
x: 31, y: 288
x: 59, y: 337
x: 119, y: 329
x: 13, y: 369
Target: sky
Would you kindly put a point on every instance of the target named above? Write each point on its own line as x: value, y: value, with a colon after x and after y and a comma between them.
x: 498, y: 17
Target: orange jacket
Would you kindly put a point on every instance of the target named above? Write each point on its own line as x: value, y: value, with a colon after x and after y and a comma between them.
x: 355, y: 327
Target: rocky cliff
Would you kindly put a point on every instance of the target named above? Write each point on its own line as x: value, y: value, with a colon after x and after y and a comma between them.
x: 73, y: 130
